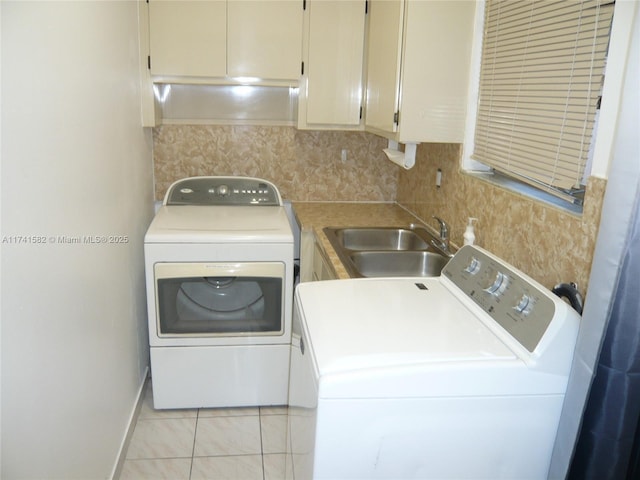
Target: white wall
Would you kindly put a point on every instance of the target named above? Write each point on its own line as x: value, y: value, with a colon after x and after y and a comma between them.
x: 75, y: 162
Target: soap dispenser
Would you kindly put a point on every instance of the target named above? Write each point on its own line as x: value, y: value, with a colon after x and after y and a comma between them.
x: 469, y: 235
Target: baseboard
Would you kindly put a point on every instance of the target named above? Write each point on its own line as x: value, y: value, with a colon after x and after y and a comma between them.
x: 133, y: 418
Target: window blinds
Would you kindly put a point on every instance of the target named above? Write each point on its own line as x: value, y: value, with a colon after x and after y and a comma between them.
x: 540, y: 82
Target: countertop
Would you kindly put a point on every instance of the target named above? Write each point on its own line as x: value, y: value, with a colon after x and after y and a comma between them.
x: 314, y: 216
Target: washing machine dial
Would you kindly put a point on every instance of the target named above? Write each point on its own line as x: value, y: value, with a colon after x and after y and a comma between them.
x: 473, y: 267
x: 497, y: 283
x: 524, y: 305
x: 223, y: 190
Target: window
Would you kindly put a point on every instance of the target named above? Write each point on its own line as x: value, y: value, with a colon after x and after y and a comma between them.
x: 540, y: 84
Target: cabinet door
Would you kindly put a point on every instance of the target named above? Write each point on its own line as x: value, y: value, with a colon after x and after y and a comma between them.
x: 335, y: 61
x: 188, y: 37
x: 322, y: 269
x: 383, y: 63
x: 264, y: 39
x: 435, y: 70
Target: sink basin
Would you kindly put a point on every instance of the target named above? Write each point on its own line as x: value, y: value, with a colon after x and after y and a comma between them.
x: 379, y: 239
x: 398, y: 264
x: 387, y: 251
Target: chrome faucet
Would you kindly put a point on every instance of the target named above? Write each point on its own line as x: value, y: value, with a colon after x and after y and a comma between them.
x: 442, y: 243
x: 444, y: 234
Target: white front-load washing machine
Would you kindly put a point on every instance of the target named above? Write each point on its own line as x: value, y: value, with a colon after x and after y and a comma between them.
x: 219, y: 276
x: 454, y: 377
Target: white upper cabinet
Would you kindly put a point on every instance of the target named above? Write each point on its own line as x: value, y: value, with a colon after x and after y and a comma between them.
x: 331, y: 89
x: 198, y: 39
x: 383, y: 63
x: 418, y: 62
x: 264, y: 39
x: 188, y: 38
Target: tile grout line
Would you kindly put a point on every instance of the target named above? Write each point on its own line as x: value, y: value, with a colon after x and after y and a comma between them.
x: 261, y: 443
x: 193, y: 448
x: 199, y: 412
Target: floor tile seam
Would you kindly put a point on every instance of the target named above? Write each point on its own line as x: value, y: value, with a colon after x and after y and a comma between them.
x: 263, y: 449
x: 202, y: 413
x: 232, y: 454
x: 193, y: 447
x: 225, y: 455
x: 160, y: 419
x: 178, y: 457
x: 229, y: 416
x: 167, y: 417
x: 261, y: 443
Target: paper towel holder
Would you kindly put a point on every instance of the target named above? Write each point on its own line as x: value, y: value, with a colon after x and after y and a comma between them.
x: 406, y: 159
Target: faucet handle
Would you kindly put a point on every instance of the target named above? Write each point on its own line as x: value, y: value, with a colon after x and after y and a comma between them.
x: 444, y: 229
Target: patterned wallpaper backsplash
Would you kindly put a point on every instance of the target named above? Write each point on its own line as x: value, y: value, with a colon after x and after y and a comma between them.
x: 547, y: 243
x: 305, y: 165
x: 550, y: 245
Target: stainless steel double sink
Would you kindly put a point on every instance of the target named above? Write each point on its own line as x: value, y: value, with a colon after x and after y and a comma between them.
x: 387, y: 251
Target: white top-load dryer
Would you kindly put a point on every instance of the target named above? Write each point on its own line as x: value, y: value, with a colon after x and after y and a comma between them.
x: 459, y: 376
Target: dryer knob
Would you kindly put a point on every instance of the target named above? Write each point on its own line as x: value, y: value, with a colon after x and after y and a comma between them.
x: 223, y: 190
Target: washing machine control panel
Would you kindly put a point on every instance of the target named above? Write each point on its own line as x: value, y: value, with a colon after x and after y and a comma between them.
x: 508, y: 296
x: 219, y: 191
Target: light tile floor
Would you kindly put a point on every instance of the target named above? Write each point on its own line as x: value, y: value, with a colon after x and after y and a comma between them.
x: 198, y: 444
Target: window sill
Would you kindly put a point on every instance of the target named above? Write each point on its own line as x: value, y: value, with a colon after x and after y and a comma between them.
x: 525, y: 190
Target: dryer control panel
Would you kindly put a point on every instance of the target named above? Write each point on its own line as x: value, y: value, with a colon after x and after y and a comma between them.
x: 219, y: 191
x: 521, y: 306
